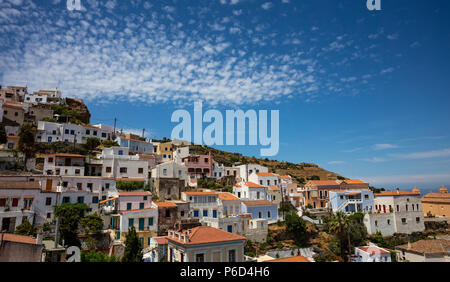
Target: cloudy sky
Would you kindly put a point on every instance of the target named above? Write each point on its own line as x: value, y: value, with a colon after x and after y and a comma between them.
x: 361, y: 93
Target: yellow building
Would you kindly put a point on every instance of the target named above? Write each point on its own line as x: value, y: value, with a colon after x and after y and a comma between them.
x: 165, y: 150
x: 437, y: 204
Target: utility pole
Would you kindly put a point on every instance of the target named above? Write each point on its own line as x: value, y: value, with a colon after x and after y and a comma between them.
x: 143, y: 133
x: 114, y: 131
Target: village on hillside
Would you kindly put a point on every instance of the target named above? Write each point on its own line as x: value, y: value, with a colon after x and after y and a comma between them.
x: 117, y: 196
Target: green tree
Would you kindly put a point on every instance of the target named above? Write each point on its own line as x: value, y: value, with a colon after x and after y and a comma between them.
x: 314, y: 177
x: 133, y: 248
x: 109, y: 143
x: 3, y: 136
x: 97, y: 257
x: 92, y: 224
x: 26, y: 142
x: 339, y: 225
x: 92, y: 143
x: 70, y: 216
x: 26, y: 229
x: 297, y: 227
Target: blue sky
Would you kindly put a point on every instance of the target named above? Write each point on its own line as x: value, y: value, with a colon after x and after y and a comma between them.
x: 362, y: 93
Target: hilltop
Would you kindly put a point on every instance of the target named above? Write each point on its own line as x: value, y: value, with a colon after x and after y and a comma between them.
x: 300, y: 172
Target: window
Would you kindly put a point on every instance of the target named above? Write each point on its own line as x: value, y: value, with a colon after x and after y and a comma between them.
x: 50, y: 160
x: 398, y: 208
x: 165, y: 172
x: 77, y: 171
x: 196, y: 213
x: 141, y: 206
x: 48, y: 201
x: 88, y: 132
x: 80, y: 200
x: 261, y: 182
x: 140, y: 170
x: 389, y: 222
x: 95, y: 200
x: 130, y: 222
x: 66, y: 131
x: 366, y: 196
x: 268, y: 214
x: 3, y: 202
x: 200, y: 258
x: 232, y: 256
x: 167, y: 213
x: 376, y: 222
x: 259, y: 214
x: 205, y: 212
x: 72, y: 132
x: 66, y: 200
x: 123, y: 170
x: 108, y: 169
x: 150, y: 221
x: 95, y: 133
x: 15, y: 202
x: 417, y: 219
x: 404, y: 220
x: 182, y: 213
x: 145, y: 198
x: 79, y: 186
x: 128, y: 206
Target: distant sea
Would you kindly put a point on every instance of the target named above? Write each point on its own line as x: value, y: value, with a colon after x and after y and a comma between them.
x: 423, y: 190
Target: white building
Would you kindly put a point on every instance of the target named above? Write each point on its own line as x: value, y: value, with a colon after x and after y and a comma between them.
x: 64, y: 164
x: 36, y: 98
x: 371, y: 254
x: 170, y: 170
x: 247, y: 169
x: 180, y: 153
x: 218, y: 170
x: 250, y: 191
x: 265, y: 178
x: 48, y: 132
x: 118, y: 164
x: 202, y: 204
x: 396, y: 212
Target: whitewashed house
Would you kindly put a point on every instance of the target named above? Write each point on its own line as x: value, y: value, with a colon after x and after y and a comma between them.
x: 246, y: 170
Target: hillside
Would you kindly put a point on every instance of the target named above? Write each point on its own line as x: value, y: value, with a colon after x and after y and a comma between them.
x: 300, y: 172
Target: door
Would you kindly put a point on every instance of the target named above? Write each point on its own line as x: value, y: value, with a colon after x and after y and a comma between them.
x: 49, y: 184
x: 230, y: 228
x: 141, y: 224
x: 214, y: 213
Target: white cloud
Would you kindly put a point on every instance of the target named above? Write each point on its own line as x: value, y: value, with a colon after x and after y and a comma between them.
x: 423, y: 155
x: 335, y: 162
x: 384, y: 146
x: 267, y: 5
x: 374, y: 160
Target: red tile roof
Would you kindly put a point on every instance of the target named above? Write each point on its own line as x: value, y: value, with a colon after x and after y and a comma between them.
x: 373, y: 250
x: 436, y: 246
x: 258, y: 203
x: 67, y: 155
x: 274, y: 188
x: 290, y: 259
x: 354, y: 181
x: 285, y: 176
x: 324, y: 182
x: 166, y: 204
x: 228, y: 197
x: 253, y: 185
x: 398, y: 193
x: 265, y: 174
x: 161, y: 240
x: 148, y: 209
x: 18, y: 238
x: 207, y: 235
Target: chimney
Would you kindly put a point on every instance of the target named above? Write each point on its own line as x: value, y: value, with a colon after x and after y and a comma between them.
x: 409, y: 245
x: 398, y: 190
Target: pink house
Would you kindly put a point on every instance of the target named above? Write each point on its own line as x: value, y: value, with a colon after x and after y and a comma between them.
x: 199, y: 165
x: 134, y: 201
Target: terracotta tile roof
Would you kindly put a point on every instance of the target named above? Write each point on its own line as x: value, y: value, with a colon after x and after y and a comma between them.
x: 161, y: 240
x: 200, y: 193
x: 436, y: 246
x: 237, y: 185
x: 12, y: 107
x: 18, y: 238
x: 128, y: 179
x: 373, y: 250
x: 207, y: 235
x: 323, y: 182
x: 397, y: 193
x: 274, y: 188
x: 253, y: 185
x: 290, y: 259
x: 265, y: 174
x: 258, y: 203
x: 166, y: 204
x: 67, y: 155
x: 286, y: 176
x: 436, y: 198
x: 228, y: 197
x: 354, y: 181
x: 138, y: 193
x: 20, y: 185
x: 108, y: 200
